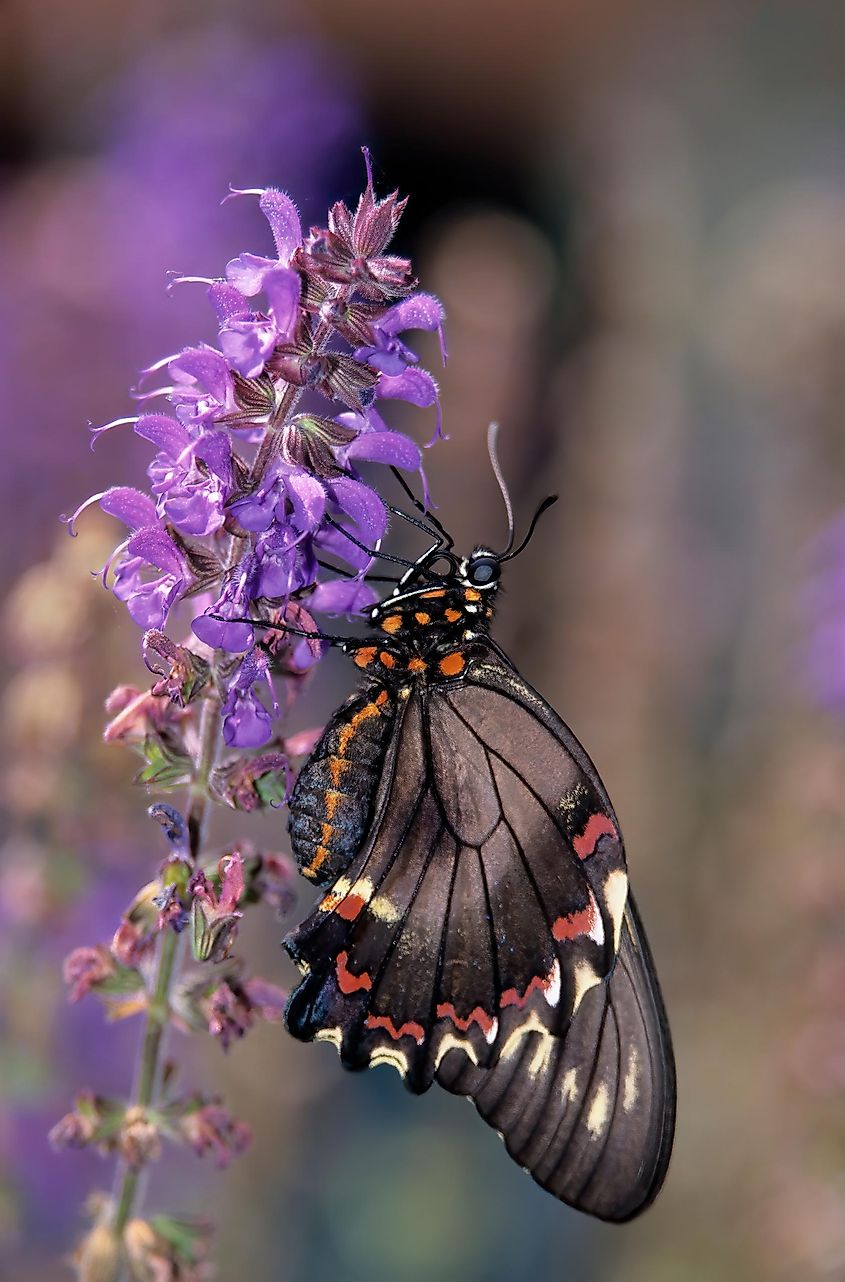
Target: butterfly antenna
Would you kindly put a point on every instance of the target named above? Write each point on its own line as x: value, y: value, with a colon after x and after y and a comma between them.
x: 544, y: 507
x: 492, y: 438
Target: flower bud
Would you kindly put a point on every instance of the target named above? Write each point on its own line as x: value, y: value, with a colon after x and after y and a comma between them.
x: 98, y: 1258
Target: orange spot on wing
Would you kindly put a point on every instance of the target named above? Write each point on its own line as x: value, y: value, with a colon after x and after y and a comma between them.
x: 422, y: 617
x: 348, y: 982
x: 452, y: 615
x: 575, y: 924
x: 392, y: 623
x: 451, y: 664
x: 477, y: 1016
x: 596, y: 826
x: 387, y: 659
x: 470, y: 594
x: 416, y: 665
x: 411, y: 1029
x: 433, y: 596
x: 365, y: 656
x: 381, y: 699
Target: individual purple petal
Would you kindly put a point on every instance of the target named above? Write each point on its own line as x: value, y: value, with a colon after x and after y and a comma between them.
x: 220, y: 626
x: 247, y: 344
x: 415, y: 385
x: 148, y: 602
x: 215, y: 450
x: 308, y: 499
x: 130, y: 506
x: 333, y: 541
x: 195, y: 509
x: 255, y: 512
x: 246, y: 722
x: 283, y: 217
x: 152, y: 544
x: 283, y: 565
x: 204, y: 365
x: 367, y: 421
x: 228, y: 301
x: 393, y: 448
x: 166, y: 433
x: 391, y: 357
x: 283, y: 288
x: 420, y: 311
x: 362, y: 504
x: 222, y: 634
x: 247, y: 272
x: 342, y: 596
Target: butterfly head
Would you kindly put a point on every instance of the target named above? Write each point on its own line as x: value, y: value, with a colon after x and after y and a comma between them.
x: 480, y: 570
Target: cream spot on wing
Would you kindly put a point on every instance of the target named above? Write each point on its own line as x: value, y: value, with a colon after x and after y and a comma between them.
x: 552, y: 992
x: 616, y: 897
x: 542, y: 1054
x: 599, y: 1110
x: 584, y: 978
x: 569, y: 1086
x: 383, y: 910
x: 333, y: 1035
x: 492, y: 1032
x: 631, y: 1088
x: 387, y: 1055
x: 450, y: 1042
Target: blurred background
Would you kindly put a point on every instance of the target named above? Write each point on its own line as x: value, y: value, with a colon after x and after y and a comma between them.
x: 635, y: 216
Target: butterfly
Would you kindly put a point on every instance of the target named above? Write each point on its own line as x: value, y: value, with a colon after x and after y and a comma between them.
x: 476, y: 927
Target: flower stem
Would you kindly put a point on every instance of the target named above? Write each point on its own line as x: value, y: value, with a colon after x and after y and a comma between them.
x: 128, y: 1179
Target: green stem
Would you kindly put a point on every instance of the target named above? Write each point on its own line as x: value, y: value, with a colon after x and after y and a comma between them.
x: 128, y: 1182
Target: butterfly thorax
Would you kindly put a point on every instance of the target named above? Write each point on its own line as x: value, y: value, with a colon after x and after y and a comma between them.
x: 423, y: 636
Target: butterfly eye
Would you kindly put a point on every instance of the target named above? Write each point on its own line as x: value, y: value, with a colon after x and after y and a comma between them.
x: 483, y: 571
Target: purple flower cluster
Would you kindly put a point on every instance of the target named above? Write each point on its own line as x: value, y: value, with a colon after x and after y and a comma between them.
x: 255, y: 479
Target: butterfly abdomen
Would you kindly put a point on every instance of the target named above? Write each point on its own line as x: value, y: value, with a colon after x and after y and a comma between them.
x: 332, y: 799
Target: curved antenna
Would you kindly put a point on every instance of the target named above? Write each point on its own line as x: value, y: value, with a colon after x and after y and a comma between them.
x: 544, y: 507
x: 492, y: 435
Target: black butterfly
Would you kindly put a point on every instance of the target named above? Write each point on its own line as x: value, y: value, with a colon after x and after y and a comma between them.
x: 478, y: 929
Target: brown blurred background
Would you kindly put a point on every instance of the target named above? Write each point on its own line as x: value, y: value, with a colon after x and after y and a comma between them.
x: 634, y: 214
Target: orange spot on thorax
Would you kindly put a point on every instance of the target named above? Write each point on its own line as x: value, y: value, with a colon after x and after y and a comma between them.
x: 452, y: 664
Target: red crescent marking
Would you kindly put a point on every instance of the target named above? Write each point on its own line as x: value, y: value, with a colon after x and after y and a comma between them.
x: 484, y: 1021
x: 575, y: 924
x: 346, y: 981
x: 597, y: 826
x: 410, y: 1029
x: 511, y: 997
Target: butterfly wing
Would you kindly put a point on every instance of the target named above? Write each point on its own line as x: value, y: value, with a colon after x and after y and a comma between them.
x: 592, y: 1119
x: 478, y: 931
